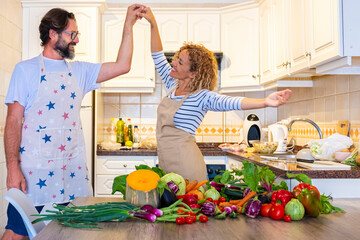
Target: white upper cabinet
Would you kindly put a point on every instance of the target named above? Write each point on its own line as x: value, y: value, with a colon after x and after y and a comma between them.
x: 177, y: 27
x: 173, y: 29
x: 86, y: 19
x: 141, y: 77
x: 326, y: 38
x: 266, y: 42
x: 240, y: 47
x: 204, y: 28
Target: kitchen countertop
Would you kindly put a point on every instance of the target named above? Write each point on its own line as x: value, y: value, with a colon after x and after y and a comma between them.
x: 211, y: 149
x: 326, y: 226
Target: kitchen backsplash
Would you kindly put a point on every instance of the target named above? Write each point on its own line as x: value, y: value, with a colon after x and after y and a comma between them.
x: 331, y: 99
x: 141, y: 109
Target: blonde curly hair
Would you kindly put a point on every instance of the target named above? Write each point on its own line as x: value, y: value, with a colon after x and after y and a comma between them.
x: 203, y: 63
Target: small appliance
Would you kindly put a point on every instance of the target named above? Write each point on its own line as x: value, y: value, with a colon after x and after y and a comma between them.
x: 252, y: 129
x: 278, y: 133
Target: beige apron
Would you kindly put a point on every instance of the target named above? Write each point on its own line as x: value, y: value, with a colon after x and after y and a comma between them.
x: 177, y: 149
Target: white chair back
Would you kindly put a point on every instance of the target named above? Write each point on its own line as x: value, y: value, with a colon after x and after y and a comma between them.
x: 25, y: 208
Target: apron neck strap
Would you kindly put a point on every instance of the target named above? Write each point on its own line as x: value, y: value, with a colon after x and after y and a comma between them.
x: 42, y: 65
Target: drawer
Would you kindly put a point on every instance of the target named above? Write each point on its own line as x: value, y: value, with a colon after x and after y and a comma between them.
x: 119, y: 165
x: 103, y: 185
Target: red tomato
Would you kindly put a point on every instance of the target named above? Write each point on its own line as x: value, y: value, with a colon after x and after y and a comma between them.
x: 209, y: 199
x: 189, y: 220
x: 216, y: 202
x: 265, y: 209
x: 180, y: 211
x: 222, y: 199
x: 192, y: 215
x: 287, y: 218
x: 180, y: 220
x: 277, y: 211
x: 203, y: 218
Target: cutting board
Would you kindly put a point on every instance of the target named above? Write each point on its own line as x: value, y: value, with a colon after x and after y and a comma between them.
x: 324, y: 165
x: 343, y: 127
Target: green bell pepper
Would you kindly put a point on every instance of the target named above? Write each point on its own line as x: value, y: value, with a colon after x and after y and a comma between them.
x: 311, y: 201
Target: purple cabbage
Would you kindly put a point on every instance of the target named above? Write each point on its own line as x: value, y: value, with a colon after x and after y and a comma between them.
x: 208, y: 208
x: 252, y: 208
x: 173, y: 186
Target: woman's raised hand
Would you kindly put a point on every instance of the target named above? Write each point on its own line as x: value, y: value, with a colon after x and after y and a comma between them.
x: 277, y: 98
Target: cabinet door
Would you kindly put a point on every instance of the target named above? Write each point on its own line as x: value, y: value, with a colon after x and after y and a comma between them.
x: 141, y: 77
x: 240, y: 46
x: 266, y: 44
x: 281, y: 41
x: 298, y: 35
x: 204, y: 28
x: 173, y: 29
x: 325, y: 32
x: 86, y: 18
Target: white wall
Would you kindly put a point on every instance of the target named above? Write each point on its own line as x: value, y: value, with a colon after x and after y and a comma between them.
x: 10, y: 48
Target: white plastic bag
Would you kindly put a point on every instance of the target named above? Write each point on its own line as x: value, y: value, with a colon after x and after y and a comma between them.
x: 324, y: 149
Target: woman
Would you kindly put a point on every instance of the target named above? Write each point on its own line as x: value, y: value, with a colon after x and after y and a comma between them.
x: 191, y: 82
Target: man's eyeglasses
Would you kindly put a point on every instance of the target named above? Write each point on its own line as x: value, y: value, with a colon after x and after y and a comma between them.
x: 73, y: 35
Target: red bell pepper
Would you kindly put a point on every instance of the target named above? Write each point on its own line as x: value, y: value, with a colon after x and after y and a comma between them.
x: 297, y: 189
x: 189, y: 198
x: 282, y: 197
x: 310, y: 201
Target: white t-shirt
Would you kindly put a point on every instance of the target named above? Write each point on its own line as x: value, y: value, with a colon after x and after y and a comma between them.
x: 25, y: 79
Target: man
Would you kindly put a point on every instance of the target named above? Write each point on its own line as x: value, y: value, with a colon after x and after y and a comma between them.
x: 44, y: 143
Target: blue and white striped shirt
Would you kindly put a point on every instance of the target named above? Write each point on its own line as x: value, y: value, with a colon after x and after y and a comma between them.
x: 193, y: 110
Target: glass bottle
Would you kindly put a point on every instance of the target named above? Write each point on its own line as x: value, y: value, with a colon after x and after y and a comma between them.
x: 136, y: 137
x: 113, y: 130
x: 120, y: 134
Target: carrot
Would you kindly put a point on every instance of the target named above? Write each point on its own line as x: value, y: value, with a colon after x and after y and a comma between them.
x: 190, y: 186
x: 225, y: 204
x: 200, y: 184
x: 187, y: 181
x: 246, y: 198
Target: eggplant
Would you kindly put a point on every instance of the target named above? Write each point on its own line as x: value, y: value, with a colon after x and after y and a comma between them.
x: 264, y: 198
x: 168, y: 198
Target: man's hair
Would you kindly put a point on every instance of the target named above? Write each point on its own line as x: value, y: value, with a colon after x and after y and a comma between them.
x: 56, y: 19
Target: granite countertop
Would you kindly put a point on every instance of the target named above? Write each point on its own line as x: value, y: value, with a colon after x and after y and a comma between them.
x: 211, y: 149
x: 207, y: 149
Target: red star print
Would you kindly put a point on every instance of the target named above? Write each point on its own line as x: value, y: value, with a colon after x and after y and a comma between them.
x: 66, y: 115
x: 70, y: 155
x: 69, y: 159
x: 54, y: 196
x: 62, y: 147
x: 42, y: 70
x: 50, y: 161
x: 74, y: 124
x: 39, y: 112
x: 61, y: 75
x: 64, y: 168
x: 55, y: 91
x: 30, y: 173
x: 79, y: 167
x: 25, y: 127
x: 62, y: 179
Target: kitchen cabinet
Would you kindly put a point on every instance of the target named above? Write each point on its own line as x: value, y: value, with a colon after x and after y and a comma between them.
x: 141, y: 77
x: 109, y: 167
x: 266, y: 42
x: 200, y: 27
x: 240, y: 47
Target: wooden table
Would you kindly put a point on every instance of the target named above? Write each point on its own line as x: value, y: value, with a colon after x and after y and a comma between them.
x: 331, y: 226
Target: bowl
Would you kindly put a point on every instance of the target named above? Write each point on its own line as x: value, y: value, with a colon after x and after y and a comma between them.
x: 341, y: 156
x: 264, y: 147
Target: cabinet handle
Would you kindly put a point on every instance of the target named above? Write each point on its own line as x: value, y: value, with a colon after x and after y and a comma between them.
x: 288, y: 63
x: 151, y: 79
x: 284, y: 64
x: 253, y: 76
x: 124, y: 165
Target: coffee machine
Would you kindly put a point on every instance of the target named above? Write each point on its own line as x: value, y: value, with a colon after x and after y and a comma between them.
x: 252, y: 128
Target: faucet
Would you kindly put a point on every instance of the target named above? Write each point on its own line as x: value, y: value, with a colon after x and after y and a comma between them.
x: 306, y: 120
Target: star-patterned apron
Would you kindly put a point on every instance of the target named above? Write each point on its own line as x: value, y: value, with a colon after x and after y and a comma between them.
x: 52, y: 150
x: 177, y: 149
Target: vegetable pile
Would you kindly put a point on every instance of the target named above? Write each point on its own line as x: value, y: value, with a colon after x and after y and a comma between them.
x: 156, y: 196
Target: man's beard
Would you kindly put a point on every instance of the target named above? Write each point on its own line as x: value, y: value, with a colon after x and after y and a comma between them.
x: 64, y: 49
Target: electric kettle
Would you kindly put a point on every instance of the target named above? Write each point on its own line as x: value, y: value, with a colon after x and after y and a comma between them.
x: 278, y: 133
